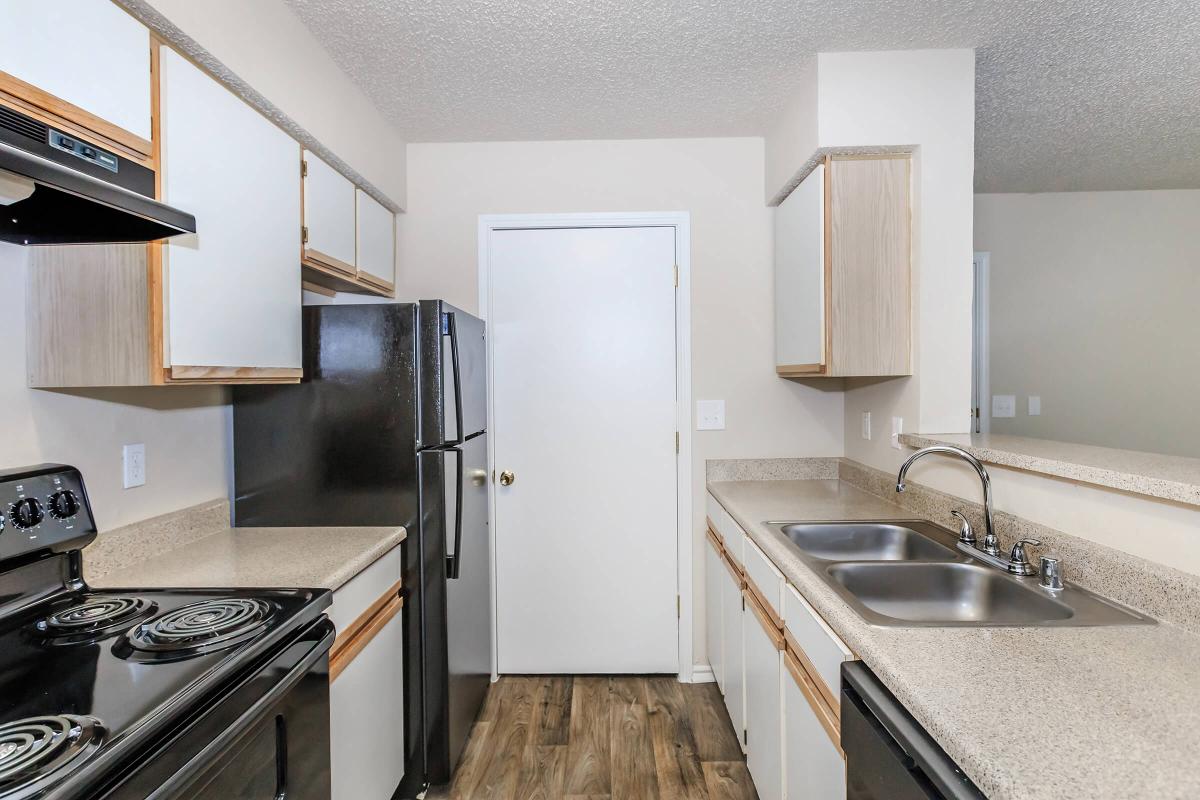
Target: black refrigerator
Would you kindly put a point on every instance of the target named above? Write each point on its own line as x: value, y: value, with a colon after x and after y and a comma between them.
x: 388, y: 427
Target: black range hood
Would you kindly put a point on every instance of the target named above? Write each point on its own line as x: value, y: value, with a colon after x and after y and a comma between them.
x: 81, y: 193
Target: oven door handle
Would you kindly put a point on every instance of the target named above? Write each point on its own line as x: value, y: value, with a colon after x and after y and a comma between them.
x: 323, y: 632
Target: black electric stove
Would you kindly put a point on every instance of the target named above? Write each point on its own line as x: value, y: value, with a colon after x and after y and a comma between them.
x: 132, y: 693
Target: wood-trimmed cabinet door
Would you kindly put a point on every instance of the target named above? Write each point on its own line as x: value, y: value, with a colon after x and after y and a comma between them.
x: 328, y: 231
x: 375, y: 237
x: 732, y: 655
x: 87, y: 61
x: 800, y: 279
x: 814, y: 766
x: 715, y: 577
x: 843, y: 272
x: 231, y: 290
x: 764, y: 700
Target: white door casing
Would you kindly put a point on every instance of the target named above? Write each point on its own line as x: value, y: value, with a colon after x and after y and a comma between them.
x: 586, y: 369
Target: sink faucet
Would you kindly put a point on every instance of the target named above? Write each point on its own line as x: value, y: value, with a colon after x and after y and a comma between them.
x: 988, y: 552
x: 991, y: 544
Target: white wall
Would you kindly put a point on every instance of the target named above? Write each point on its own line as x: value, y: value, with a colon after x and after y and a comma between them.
x: 1093, y: 309
x: 267, y: 46
x: 720, y: 182
x: 793, y: 138
x: 184, y: 429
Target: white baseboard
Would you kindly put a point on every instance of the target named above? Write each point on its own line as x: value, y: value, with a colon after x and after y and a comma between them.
x: 702, y: 673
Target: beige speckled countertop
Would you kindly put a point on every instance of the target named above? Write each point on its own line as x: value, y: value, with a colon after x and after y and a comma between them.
x: 309, y: 558
x: 1026, y: 712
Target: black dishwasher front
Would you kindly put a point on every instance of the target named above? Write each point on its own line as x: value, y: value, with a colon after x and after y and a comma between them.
x: 889, y: 756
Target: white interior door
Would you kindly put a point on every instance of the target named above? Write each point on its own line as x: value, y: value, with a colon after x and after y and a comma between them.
x: 582, y: 322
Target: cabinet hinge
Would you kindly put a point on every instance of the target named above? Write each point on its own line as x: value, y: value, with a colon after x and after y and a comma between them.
x: 676, y: 441
x: 303, y: 168
x: 745, y: 737
x: 676, y: 271
x: 678, y: 608
x: 304, y: 234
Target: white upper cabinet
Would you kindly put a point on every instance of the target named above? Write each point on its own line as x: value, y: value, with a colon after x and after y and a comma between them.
x: 88, y: 53
x: 232, y: 288
x: 329, y: 212
x: 800, y: 276
x: 376, y: 242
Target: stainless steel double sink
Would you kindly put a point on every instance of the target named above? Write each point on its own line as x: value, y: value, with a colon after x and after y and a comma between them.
x: 909, y: 573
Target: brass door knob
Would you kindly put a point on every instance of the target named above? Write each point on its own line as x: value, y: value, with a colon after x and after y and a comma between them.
x: 507, y: 478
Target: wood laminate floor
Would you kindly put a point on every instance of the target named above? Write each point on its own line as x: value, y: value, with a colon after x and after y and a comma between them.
x: 601, y: 738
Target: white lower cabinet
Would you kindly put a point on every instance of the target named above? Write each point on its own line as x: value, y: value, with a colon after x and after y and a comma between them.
x: 813, y: 765
x: 715, y: 577
x: 367, y: 758
x: 764, y: 702
x: 732, y: 657
x: 366, y: 690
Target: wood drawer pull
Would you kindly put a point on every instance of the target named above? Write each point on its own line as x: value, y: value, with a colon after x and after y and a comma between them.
x: 338, y: 661
x: 827, y: 716
x: 764, y: 618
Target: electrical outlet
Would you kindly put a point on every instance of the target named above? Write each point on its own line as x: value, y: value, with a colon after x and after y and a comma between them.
x: 133, y: 460
x: 1004, y: 406
x: 866, y: 425
x: 897, y: 429
x: 1035, y: 405
x: 710, y: 415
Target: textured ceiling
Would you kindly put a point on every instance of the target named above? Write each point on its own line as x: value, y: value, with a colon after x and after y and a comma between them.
x: 1071, y: 94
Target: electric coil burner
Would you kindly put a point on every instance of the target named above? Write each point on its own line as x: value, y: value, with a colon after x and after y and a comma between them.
x: 32, y: 750
x: 202, y: 627
x: 95, y: 618
x: 175, y: 694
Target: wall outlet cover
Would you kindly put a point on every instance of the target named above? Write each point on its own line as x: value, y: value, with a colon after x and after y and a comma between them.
x: 897, y: 429
x: 1004, y: 406
x: 710, y: 415
x: 866, y: 425
x: 133, y: 461
x: 1035, y: 405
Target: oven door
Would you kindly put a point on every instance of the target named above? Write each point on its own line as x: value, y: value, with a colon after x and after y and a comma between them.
x: 276, y: 748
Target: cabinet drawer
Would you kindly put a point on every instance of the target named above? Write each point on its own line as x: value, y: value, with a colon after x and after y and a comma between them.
x: 729, y: 531
x: 817, y: 647
x: 765, y: 581
x: 354, y: 601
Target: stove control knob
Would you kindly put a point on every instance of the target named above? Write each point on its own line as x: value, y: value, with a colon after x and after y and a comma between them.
x: 26, y: 513
x: 64, y: 504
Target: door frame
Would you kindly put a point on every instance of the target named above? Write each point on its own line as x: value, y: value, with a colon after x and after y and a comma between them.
x: 981, y: 385
x: 681, y: 222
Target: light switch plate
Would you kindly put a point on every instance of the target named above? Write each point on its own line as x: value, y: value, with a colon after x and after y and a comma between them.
x: 1004, y: 405
x: 897, y: 429
x: 866, y: 425
x: 710, y: 415
x: 133, y: 461
x: 1035, y: 405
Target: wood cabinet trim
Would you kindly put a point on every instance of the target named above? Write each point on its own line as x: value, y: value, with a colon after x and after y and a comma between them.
x: 799, y: 370
x: 761, y: 597
x: 827, y: 715
x: 360, y: 622
x: 339, y: 660
x: 192, y: 373
x: 47, y: 108
x: 327, y: 263
x: 735, y: 569
x: 714, y: 533
x: 827, y: 694
x: 827, y: 366
x: 764, y: 619
x: 715, y: 541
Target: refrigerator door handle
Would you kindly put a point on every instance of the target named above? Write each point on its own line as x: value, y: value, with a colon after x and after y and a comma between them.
x: 454, y: 560
x: 452, y: 331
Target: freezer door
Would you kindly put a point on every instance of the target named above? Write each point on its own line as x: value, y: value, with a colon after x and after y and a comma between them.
x: 453, y: 375
x: 454, y: 511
